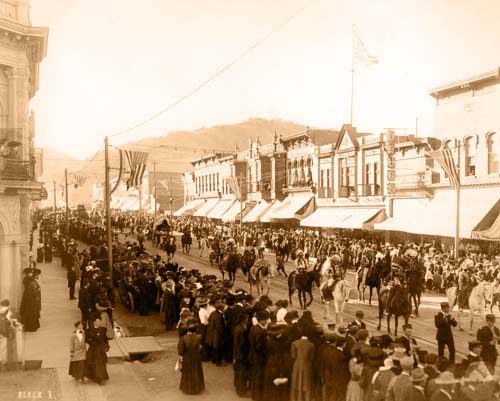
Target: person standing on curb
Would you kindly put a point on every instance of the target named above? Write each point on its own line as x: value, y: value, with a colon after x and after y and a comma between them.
x: 444, y: 336
x: 78, y: 353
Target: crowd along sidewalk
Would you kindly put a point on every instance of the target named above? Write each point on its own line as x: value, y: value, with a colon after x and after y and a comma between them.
x: 50, y: 343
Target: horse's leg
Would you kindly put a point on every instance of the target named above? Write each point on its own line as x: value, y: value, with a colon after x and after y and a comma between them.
x: 389, y: 314
x: 370, y: 299
x: 290, y: 293
x: 396, y: 318
x: 311, y: 295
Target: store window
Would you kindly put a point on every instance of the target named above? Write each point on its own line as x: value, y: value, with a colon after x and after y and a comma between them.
x: 347, y: 186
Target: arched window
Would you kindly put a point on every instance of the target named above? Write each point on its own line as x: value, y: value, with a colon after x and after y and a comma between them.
x: 493, y: 153
x: 469, y: 156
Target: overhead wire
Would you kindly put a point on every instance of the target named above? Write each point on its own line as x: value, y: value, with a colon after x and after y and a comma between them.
x: 216, y: 74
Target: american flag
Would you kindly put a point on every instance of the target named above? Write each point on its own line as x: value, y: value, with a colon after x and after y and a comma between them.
x: 360, y: 54
x: 445, y: 159
x: 79, y: 180
x: 137, y: 162
x: 235, y: 187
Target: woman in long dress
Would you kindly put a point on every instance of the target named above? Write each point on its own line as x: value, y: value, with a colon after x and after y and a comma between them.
x: 31, y: 302
x: 78, y: 353
x: 96, y: 354
x: 189, y: 348
x: 356, y: 366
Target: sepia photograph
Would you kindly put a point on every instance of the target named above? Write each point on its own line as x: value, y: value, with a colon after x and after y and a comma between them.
x: 265, y: 200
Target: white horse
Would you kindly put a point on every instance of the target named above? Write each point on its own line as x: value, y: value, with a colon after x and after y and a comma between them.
x: 481, y: 293
x: 336, y: 292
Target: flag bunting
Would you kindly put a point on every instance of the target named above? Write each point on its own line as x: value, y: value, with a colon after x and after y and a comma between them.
x: 137, y: 162
x: 445, y: 159
x: 79, y: 180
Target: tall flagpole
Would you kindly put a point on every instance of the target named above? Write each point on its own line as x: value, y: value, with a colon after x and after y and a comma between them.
x: 352, y: 76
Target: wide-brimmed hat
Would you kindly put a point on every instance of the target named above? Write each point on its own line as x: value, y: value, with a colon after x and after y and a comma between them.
x: 446, y: 378
x: 201, y: 301
x: 274, y: 329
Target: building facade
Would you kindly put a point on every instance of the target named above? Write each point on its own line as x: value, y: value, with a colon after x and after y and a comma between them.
x: 22, y: 48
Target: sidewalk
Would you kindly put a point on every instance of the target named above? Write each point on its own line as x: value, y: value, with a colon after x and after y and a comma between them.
x: 50, y: 343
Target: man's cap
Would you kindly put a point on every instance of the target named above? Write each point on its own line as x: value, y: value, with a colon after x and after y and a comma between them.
x: 445, y: 305
x: 490, y: 317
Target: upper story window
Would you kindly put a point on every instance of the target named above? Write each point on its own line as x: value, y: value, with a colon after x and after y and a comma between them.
x: 493, y: 153
x: 469, y: 157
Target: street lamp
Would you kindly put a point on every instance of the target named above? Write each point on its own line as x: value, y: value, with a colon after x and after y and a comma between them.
x: 171, y: 200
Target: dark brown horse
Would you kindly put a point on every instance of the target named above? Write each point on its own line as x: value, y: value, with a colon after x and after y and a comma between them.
x: 303, y: 282
x: 396, y: 302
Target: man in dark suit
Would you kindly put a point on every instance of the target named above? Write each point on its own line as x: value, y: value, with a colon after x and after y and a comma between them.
x: 257, y: 354
x: 407, y: 340
x: 333, y: 368
x: 350, y: 341
x: 489, y: 336
x: 241, y: 348
x: 444, y: 336
x: 215, y: 333
x: 71, y: 281
x: 358, y: 321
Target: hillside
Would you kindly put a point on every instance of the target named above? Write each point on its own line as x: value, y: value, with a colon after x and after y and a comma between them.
x: 222, y: 137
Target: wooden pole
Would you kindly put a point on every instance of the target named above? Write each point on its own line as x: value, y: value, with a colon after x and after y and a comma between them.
x: 457, y: 217
x: 171, y: 198
x: 55, y: 203
x: 154, y: 183
x: 67, y: 202
x: 107, y: 197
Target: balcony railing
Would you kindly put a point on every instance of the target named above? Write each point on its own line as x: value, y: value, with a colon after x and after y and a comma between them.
x: 16, y: 170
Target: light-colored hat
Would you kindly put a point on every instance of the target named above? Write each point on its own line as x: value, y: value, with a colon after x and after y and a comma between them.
x: 446, y: 378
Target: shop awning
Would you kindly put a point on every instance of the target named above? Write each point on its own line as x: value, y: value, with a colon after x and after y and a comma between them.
x: 206, y: 207
x: 189, y: 208
x: 343, y: 217
x: 266, y: 216
x: 257, y: 211
x: 232, y: 212
x: 219, y: 209
x: 489, y: 228
x: 437, y: 216
x: 294, y: 207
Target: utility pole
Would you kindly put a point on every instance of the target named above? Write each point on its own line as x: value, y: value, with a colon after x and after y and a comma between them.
x: 240, y: 184
x: 457, y: 221
x: 107, y: 200
x: 154, y: 183
x: 55, y: 203
x: 67, y: 203
x: 171, y: 198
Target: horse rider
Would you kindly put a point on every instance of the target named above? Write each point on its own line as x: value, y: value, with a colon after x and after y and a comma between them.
x: 326, y: 290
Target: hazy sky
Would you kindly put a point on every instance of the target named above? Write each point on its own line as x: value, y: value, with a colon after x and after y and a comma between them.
x: 113, y: 63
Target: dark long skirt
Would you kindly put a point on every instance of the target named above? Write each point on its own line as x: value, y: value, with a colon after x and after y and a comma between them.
x: 192, y: 379
x: 96, y: 362
x: 241, y: 375
x: 77, y: 369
